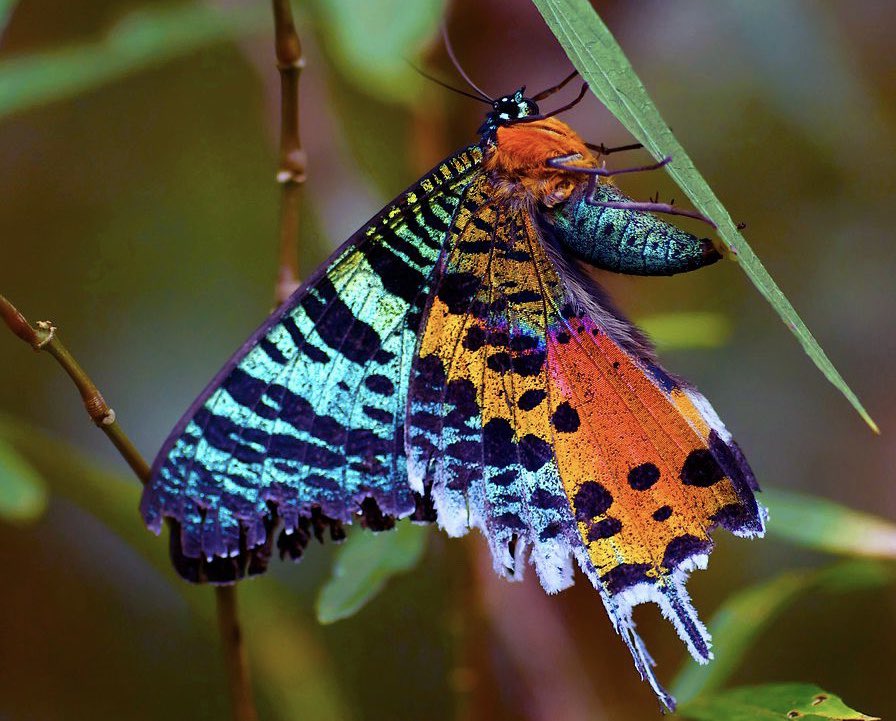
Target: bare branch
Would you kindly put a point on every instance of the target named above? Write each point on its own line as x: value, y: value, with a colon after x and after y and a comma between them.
x: 44, y: 337
x: 291, y: 170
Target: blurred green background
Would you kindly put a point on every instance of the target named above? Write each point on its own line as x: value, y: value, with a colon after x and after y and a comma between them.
x: 138, y: 211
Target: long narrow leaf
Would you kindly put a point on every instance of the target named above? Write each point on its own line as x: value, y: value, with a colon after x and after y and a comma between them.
x: 597, y: 56
x: 773, y: 702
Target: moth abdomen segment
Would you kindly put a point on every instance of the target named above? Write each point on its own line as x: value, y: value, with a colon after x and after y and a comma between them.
x: 624, y: 240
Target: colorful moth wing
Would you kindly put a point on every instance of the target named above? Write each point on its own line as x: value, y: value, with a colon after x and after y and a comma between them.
x: 305, y: 424
x: 539, y: 415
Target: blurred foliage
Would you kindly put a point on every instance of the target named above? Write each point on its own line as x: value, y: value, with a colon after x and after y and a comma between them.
x: 364, y: 564
x: 598, y: 57
x: 292, y: 671
x: 139, y: 40
x: 6, y: 8
x: 825, y: 526
x: 774, y: 702
x: 745, y: 615
x: 373, y: 45
x: 160, y: 235
x: 23, y: 496
x: 686, y: 330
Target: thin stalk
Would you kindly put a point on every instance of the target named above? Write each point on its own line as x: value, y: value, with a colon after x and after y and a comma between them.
x: 292, y: 158
x: 236, y: 659
x: 44, y: 337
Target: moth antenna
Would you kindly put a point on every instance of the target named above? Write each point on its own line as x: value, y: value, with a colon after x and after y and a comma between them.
x: 572, y: 104
x: 554, y: 88
x: 457, y: 66
x: 446, y: 85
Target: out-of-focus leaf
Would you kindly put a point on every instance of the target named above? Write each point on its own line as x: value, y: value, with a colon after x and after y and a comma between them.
x: 684, y: 330
x: 827, y: 526
x: 746, y: 615
x: 597, y: 56
x: 296, y: 670
x: 364, y: 564
x: 772, y: 702
x: 139, y: 40
x: 6, y: 8
x: 23, y: 496
x: 372, y: 43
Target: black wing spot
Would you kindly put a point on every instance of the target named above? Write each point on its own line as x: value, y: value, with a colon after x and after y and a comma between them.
x: 530, y: 399
x: 643, y: 476
x: 701, y: 469
x: 604, y: 529
x: 566, y: 418
x: 591, y: 500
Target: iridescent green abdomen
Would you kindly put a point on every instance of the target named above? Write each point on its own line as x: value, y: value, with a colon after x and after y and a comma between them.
x: 625, y: 240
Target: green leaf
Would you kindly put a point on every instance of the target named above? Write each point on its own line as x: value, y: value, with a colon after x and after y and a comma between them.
x: 371, y: 43
x: 747, y: 614
x: 597, y: 56
x: 773, y: 702
x: 686, y: 330
x: 823, y: 525
x: 138, y: 41
x: 364, y: 564
x: 23, y: 496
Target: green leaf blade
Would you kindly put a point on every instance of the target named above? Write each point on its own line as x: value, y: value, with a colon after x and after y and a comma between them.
x: 599, y: 59
x: 772, y: 702
x: 363, y: 566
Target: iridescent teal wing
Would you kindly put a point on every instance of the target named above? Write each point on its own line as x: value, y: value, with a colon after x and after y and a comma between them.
x: 304, y: 427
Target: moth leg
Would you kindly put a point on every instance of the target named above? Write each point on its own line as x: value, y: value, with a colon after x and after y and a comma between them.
x: 602, y: 149
x: 562, y: 163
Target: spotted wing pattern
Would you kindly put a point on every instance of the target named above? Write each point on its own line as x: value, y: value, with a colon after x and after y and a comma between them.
x: 538, y: 414
x: 305, y: 424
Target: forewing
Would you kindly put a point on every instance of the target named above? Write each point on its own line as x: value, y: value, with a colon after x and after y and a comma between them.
x: 538, y: 414
x: 304, y: 424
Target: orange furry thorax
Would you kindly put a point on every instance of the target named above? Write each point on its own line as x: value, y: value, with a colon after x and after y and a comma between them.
x: 517, y: 161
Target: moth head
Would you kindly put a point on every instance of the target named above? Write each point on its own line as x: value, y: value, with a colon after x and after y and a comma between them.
x: 507, y: 110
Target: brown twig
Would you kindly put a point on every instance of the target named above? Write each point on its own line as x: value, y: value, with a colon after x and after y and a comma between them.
x: 44, y: 337
x: 235, y: 657
x: 291, y: 170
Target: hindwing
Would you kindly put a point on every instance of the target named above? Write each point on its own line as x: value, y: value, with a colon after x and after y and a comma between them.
x: 539, y: 414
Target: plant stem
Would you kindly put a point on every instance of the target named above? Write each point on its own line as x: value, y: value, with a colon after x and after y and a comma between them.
x: 292, y: 159
x: 44, y: 337
x: 235, y: 657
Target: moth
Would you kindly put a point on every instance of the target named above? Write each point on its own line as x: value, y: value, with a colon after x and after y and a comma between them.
x: 454, y: 362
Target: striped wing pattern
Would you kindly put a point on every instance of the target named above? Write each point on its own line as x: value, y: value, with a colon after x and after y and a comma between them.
x: 540, y: 416
x: 305, y: 424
